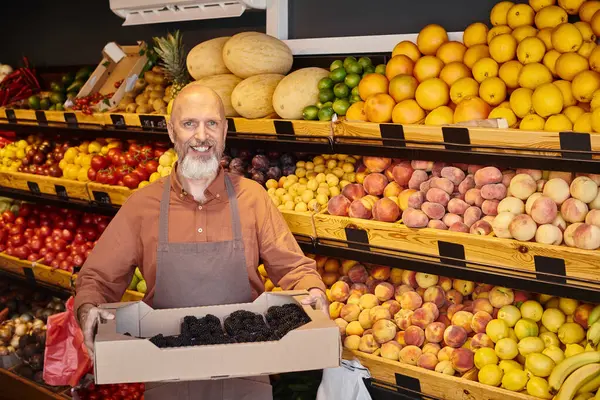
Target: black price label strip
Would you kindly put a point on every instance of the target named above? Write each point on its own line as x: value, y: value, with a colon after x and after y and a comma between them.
x: 452, y: 250
x: 285, y: 129
x: 102, y: 198
x: 40, y: 116
x: 10, y: 115
x: 357, y: 236
x: 392, y: 131
x: 231, y: 125
x: 34, y: 187
x: 118, y: 120
x: 71, y: 120
x: 456, y: 135
x: 150, y: 122
x: 61, y: 192
x: 550, y: 265
x: 575, y: 141
x: 28, y: 272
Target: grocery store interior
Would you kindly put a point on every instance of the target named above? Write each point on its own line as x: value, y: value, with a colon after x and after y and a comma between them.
x: 437, y: 163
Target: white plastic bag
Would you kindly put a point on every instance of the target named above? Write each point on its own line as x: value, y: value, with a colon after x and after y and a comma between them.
x: 344, y: 382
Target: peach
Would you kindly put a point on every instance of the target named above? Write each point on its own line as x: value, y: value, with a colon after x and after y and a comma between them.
x: 507, y: 177
x: 472, y: 215
x: 425, y: 280
x: 480, y: 321
x: 396, y: 276
x: 431, y: 348
x: 434, y: 332
x: 521, y: 296
x: 422, y: 317
x: 557, y: 189
x: 443, y: 318
x: 358, y: 288
x: 345, y: 279
x: 436, y: 195
x: 455, y: 336
x: 432, y: 308
x: 329, y: 278
x: 445, y: 283
x: 565, y: 176
x: 420, y: 291
x: 352, y: 342
x: 482, y: 291
x: 481, y: 227
x: 375, y: 184
x: 335, y: 308
x: 400, y: 290
x: 402, y: 173
x: 544, y: 210
x: 400, y: 338
x: 338, y: 205
x: 402, y: 318
x: 410, y: 355
x: 594, y: 177
x: 573, y: 210
x: 445, y: 354
x: 536, y: 174
x: 391, y: 350
x: 393, y: 306
x: 568, y: 234
x: 540, y: 184
x: 453, y: 174
x: 595, y: 204
x: 354, y: 191
x: 417, y: 178
x: 389, y: 172
x: 358, y: 274
x: 581, y: 314
x: 490, y: 207
x: 464, y: 287
x: 462, y: 360
x: 437, y: 224
x: 425, y: 186
x: 548, y: 234
x: 350, y: 312
x: 386, y: 210
x: 436, y: 295
x: 472, y: 168
x: 466, y: 184
x: 473, y: 197
x: 360, y: 208
x: 384, y: 291
x: 450, y: 219
x: 368, y: 344
x: 428, y: 361
x: 411, y: 301
x: 380, y: 272
x: 459, y: 227
x: 444, y: 184
x: 457, y: 206
x: 422, y: 165
x: 461, y: 166
x: 384, y: 330
x: 403, y: 198
x: 364, y: 318
x: 354, y: 298
x: 368, y: 301
x: 463, y: 318
x: 493, y: 191
x: 522, y: 227
x: 482, y: 304
x: 377, y: 164
x: 391, y: 190
x: 522, y: 186
x: 409, y: 278
x: 414, y: 336
x: 501, y: 296
x: 378, y: 313
x: 501, y: 224
x: 433, y: 210
x: 368, y: 332
x: 593, y: 218
x: 354, y: 328
x: 487, y: 175
x: 453, y: 296
x: 437, y: 168
x: 413, y: 218
x: 340, y: 291
x: 415, y: 200
x: 480, y: 340
x: 587, y: 237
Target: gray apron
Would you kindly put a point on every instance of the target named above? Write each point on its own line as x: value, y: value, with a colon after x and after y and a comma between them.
x: 203, y: 274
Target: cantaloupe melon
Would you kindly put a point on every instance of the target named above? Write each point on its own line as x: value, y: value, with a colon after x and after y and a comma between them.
x: 253, y: 97
x: 296, y: 91
x: 206, y: 59
x: 253, y: 53
x: 222, y: 84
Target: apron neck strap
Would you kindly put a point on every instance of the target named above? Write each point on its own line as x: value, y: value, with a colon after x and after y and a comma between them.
x: 235, y: 211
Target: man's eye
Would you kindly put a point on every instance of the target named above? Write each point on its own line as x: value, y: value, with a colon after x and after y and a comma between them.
x: 211, y: 123
x: 188, y: 124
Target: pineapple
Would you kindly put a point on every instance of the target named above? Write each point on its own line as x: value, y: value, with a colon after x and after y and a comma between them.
x: 172, y: 53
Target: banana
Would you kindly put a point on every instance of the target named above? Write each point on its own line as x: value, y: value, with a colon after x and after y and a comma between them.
x: 567, y: 366
x: 597, y: 397
x: 591, y: 386
x: 576, y: 380
x: 593, y: 334
x: 594, y: 315
x: 584, y: 396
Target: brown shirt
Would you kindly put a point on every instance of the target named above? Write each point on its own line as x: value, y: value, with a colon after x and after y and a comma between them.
x: 131, y: 239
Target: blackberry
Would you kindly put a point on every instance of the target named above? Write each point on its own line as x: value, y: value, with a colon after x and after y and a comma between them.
x: 159, y: 341
x: 177, y: 341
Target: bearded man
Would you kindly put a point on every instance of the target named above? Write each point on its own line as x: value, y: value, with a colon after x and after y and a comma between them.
x: 197, y: 237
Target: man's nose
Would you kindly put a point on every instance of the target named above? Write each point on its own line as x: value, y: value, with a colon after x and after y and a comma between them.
x: 200, y: 133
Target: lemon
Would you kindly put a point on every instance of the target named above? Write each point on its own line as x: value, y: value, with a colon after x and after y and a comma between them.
x: 521, y: 104
x: 538, y: 387
x: 490, y: 375
x: 515, y: 380
x: 440, y: 116
x: 550, y: 59
x: 537, y: 5
x: 566, y: 37
x: 506, y: 113
x: 531, y: 309
x: 546, y: 36
x: 493, y: 91
x: 475, y: 34
x: 485, y: 68
x: 586, y: 31
x: 462, y: 88
x: 503, y: 47
x: 499, y: 13
x: 526, y: 328
x: 531, y: 49
x: 573, y: 349
x: 558, y: 123
x: 496, y: 329
x: 510, y: 365
x: 550, y: 17
x: 533, y: 75
x: 519, y: 15
x: 509, y: 313
x: 584, y: 85
x: 555, y: 353
x: 567, y: 93
x: 530, y: 344
x: 523, y: 32
x: 539, y: 364
x: 509, y: 73
x: 485, y: 356
x: 547, y: 99
x: 587, y: 48
x: 573, y: 113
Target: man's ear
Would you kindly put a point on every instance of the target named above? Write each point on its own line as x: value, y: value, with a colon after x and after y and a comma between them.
x: 225, y: 129
x: 171, y: 131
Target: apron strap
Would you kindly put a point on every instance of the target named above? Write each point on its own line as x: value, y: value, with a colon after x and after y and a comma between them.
x: 163, y: 217
x: 235, y: 213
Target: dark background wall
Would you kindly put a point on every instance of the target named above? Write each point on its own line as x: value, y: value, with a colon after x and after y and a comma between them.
x: 73, y: 32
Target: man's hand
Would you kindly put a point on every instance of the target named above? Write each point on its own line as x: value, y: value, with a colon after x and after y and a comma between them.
x: 89, y: 316
x: 319, y: 299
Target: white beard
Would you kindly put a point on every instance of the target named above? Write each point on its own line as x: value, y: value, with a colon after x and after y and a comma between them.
x: 197, y: 169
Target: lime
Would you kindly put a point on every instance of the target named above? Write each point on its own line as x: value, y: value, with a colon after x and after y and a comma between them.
x: 310, y: 113
x: 380, y: 69
x: 56, y: 87
x: 325, y: 114
x: 354, y: 68
x: 59, y: 107
x: 340, y: 106
x: 68, y: 79
x: 338, y: 75
x: 355, y: 99
x: 354, y: 91
x: 71, y: 95
x: 319, y: 105
x: 325, y: 83
x: 335, y: 65
x: 45, y: 103
x: 57, y: 97
x: 52, y: 107
x: 326, y: 95
x: 352, y: 80
x: 327, y: 104
x: 365, y: 62
x: 348, y: 61
x: 369, y: 69
x: 341, y: 90
x: 34, y: 102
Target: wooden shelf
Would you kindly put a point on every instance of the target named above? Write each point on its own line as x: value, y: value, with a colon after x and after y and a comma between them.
x: 15, y: 387
x: 38, y: 184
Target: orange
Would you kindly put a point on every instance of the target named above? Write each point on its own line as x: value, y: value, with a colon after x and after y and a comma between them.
x: 523, y: 32
x: 493, y: 91
x: 503, y: 47
x: 595, y: 23
x: 586, y: 48
x: 594, y: 59
x: 499, y: 13
x: 440, y: 116
x: 588, y: 9
x: 584, y: 85
x: 533, y: 75
x: 356, y: 112
x: 531, y: 49
x: 432, y: 94
x: 474, y: 34
x: 379, y: 108
x: 519, y: 15
x: 407, y: 112
x: 427, y: 67
x: 407, y: 48
x: 586, y: 30
x: 550, y: 60
x: 372, y: 84
x: 568, y: 65
x: 566, y: 37
x: 451, y: 52
x: 431, y: 38
x: 537, y: 5
x: 470, y: 109
x: 506, y: 113
x: 498, y: 30
x: 485, y: 68
x: 453, y: 72
x: 550, y: 17
x: 567, y: 92
x: 571, y: 6
x: 509, y: 73
x: 475, y: 53
x: 463, y: 88
x: 403, y: 87
x: 546, y: 36
x: 399, y: 65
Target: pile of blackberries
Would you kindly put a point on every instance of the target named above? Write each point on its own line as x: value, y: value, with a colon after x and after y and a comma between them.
x: 240, y: 327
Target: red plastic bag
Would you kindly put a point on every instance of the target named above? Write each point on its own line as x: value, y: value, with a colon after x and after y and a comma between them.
x: 66, y: 359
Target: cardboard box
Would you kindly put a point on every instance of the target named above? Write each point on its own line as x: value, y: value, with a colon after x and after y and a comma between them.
x: 118, y: 62
x: 119, y: 358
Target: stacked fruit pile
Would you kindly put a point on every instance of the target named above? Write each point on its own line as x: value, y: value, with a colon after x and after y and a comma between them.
x: 495, y: 335
x: 138, y: 283
x: 150, y: 94
x: 258, y: 165
x: 524, y: 204
x: 35, y: 155
x: 122, y: 391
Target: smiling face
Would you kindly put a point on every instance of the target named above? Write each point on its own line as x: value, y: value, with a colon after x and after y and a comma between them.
x: 198, y: 129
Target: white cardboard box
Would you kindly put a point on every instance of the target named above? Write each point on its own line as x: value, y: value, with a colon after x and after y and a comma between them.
x: 119, y: 358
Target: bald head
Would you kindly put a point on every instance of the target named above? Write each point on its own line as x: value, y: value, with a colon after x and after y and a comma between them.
x: 198, y: 97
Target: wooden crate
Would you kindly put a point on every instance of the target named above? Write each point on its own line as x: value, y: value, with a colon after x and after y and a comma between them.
x: 38, y: 184
x: 300, y: 222
x: 54, y: 277
x: 433, y: 383
x: 108, y: 194
x: 15, y: 387
x: 274, y: 126
x: 14, y: 265
x: 488, y: 250
x: 27, y: 117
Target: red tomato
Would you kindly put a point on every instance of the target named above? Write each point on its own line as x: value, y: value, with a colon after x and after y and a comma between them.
x: 25, y: 210
x: 113, y: 154
x: 131, y: 159
x: 48, y: 258
x: 8, y: 216
x: 141, y: 172
x: 99, y: 162
x: 20, y: 221
x: 92, y: 174
x: 151, y: 166
x: 132, y: 181
x: 111, y: 179
x: 135, y: 148
x: 121, y: 171
x: 101, y: 176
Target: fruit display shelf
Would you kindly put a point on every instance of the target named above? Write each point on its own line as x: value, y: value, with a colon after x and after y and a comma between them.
x: 15, y: 386
x: 37, y: 184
